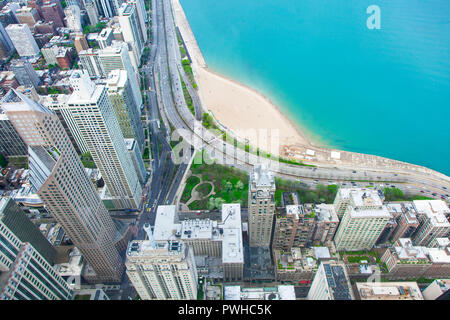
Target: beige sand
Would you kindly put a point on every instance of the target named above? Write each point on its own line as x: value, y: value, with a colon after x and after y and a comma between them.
x: 235, y: 106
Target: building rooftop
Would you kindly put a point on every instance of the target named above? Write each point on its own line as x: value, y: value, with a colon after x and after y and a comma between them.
x: 436, y: 210
x: 281, y: 292
x: 389, y: 291
x: 232, y: 244
x: 165, y: 223
x: 361, y: 197
x: 338, y: 282
x: 262, y: 177
x: 326, y: 213
x: 322, y: 253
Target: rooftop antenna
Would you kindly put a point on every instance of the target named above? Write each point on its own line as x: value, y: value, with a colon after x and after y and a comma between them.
x: 148, y: 229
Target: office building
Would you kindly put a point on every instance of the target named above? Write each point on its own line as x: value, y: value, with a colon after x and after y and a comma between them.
x: 363, y: 221
x: 11, y: 144
x: 115, y: 57
x: 142, y: 16
x: 331, y: 282
x: 25, y: 73
x: 261, y: 206
x: 162, y: 270
x: 132, y: 30
x: 100, y: 130
x: 127, y: 113
x: 73, y: 18
x: 23, y: 40
x: 25, y: 274
x: 436, y: 289
x: 13, y: 217
x: 388, y: 291
x: 433, y: 222
x: 66, y: 192
x: 7, y: 16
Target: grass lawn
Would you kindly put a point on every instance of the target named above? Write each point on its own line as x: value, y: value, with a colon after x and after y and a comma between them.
x: 204, y: 189
x: 191, y: 182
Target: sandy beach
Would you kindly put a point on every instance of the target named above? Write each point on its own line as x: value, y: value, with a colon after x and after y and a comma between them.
x: 236, y: 106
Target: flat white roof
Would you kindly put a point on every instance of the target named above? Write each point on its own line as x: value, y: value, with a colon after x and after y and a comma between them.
x: 164, y: 222
x: 361, y: 196
x: 232, y: 245
x: 370, y: 213
x: 435, y: 210
x: 322, y: 253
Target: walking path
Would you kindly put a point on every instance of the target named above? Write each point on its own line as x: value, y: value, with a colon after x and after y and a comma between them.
x: 195, y: 195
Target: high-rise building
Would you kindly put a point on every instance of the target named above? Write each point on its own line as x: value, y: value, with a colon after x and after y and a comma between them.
x: 116, y: 56
x: 162, y: 270
x: 73, y: 18
x: 326, y: 222
x: 100, y: 130
x: 90, y: 62
x: 364, y: 219
x: 6, y: 46
x: 293, y: 228
x: 13, y: 217
x: 132, y: 30
x: 433, y: 222
x: 436, y: 289
x: 52, y: 12
x: 25, y: 274
x: 25, y: 73
x: 331, y: 282
x: 388, y: 291
x: 58, y: 104
x: 11, y: 144
x: 7, y: 16
x: 232, y: 245
x: 142, y: 16
x: 22, y: 40
x: 92, y: 11
x: 127, y: 113
x: 261, y: 206
x: 105, y: 38
x: 67, y: 192
x: 407, y: 222
x: 28, y: 16
x: 136, y: 157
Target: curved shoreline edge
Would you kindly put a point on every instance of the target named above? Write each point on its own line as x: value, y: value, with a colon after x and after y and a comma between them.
x: 301, y: 149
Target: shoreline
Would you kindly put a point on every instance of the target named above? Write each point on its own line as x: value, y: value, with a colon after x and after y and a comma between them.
x: 300, y: 147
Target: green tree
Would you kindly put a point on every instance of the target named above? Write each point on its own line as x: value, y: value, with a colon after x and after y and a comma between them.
x: 239, y: 185
x: 3, y: 161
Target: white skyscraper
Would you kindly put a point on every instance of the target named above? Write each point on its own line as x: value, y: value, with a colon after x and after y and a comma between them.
x: 115, y: 57
x: 131, y: 29
x: 142, y: 16
x: 94, y: 115
x: 22, y: 40
x: 162, y: 270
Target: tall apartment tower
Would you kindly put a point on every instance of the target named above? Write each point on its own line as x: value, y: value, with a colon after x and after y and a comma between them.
x: 122, y: 98
x: 66, y: 191
x: 25, y: 73
x: 11, y: 144
x: 25, y: 274
x: 364, y: 219
x: 261, y: 206
x: 132, y: 30
x: 162, y: 270
x: 90, y: 62
x: 433, y: 222
x: 13, y: 217
x: 51, y: 11
x: 100, y: 130
x: 22, y: 40
x: 115, y: 57
x: 331, y: 282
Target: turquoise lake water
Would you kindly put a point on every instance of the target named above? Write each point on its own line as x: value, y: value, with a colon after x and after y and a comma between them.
x: 383, y: 92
